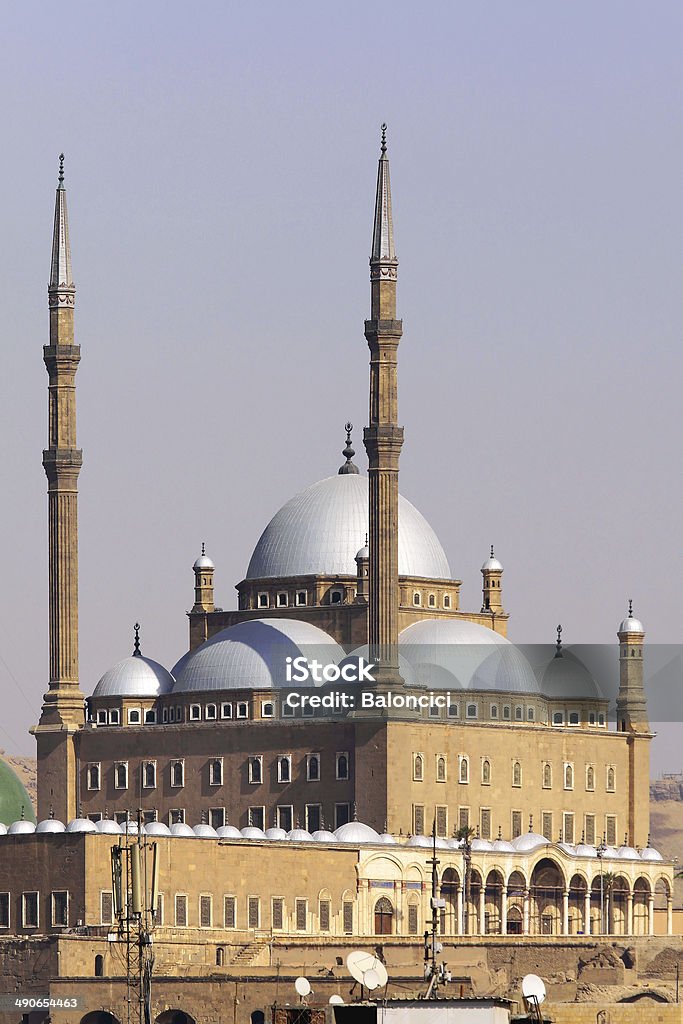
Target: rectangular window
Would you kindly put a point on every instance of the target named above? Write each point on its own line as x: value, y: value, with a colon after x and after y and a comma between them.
x: 267, y: 709
x: 216, y: 771
x: 134, y: 716
x: 29, y: 909
x: 60, y: 908
x: 531, y: 714
x: 287, y: 710
x: 471, y: 710
x: 506, y: 712
x: 149, y: 816
x: 278, y: 912
x: 313, y: 817
x: 324, y: 915
x: 282, y: 600
x: 205, y: 911
x: 159, y: 917
x: 573, y: 717
x: 4, y: 910
x: 412, y: 919
x: 253, y: 912
x: 120, y: 817
x: 589, y: 829
x: 486, y: 823
x: 347, y: 914
x: 285, y: 816
x: 257, y: 817
x: 106, y: 908
x: 568, y: 827
x: 229, y: 912
x: 95, y: 816
x: 176, y: 816
x: 101, y: 717
x: 434, y: 711
x: 301, y: 597
x: 263, y: 600
x: 150, y: 716
x: 519, y: 713
x: 301, y: 907
x: 547, y: 825
x: 493, y: 711
x: 341, y: 815
x: 217, y: 817
x: 464, y: 817
x: 516, y: 824
x: 418, y: 819
x: 442, y: 821
x: 181, y: 911
x: 115, y: 716
x: 611, y: 829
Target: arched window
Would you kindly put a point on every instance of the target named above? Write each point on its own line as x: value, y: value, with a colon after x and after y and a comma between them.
x: 99, y: 966
x: 464, y: 770
x: 590, y: 778
x: 441, y: 768
x: 516, y: 773
x: 547, y: 776
x: 418, y: 768
x: 313, y: 768
x: 177, y: 773
x: 486, y: 772
x: 149, y: 775
x: 342, y: 766
x: 220, y: 956
x: 610, y: 780
x: 384, y: 916
x: 568, y: 777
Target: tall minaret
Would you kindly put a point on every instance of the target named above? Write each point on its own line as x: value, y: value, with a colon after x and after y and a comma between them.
x: 383, y: 437
x: 62, y: 713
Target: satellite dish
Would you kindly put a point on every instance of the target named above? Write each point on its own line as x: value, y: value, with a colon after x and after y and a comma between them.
x: 302, y: 986
x: 533, y: 989
x: 371, y: 980
x: 336, y: 1000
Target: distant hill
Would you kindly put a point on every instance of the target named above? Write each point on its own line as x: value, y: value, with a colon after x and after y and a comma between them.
x: 25, y: 768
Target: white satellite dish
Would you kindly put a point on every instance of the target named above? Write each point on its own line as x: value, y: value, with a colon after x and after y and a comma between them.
x: 356, y: 964
x: 361, y: 964
x: 533, y: 989
x: 336, y: 1000
x: 371, y: 980
x: 302, y: 986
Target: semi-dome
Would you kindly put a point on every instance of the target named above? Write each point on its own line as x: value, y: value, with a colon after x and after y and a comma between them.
x: 15, y: 803
x: 317, y: 532
x: 50, y: 825
x: 457, y: 654
x: 566, y: 677
x: 135, y: 676
x: 252, y: 655
x: 81, y: 825
x: 3, y: 829
x: 355, y: 832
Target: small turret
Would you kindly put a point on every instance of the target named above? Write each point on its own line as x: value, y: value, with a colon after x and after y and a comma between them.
x: 362, y: 573
x: 203, y: 583
x: 492, y: 572
x: 631, y: 702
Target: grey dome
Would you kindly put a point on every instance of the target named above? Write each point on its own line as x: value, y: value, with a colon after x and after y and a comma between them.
x: 321, y: 835
x: 204, y: 831
x: 363, y: 554
x: 424, y: 841
x: 50, y: 825
x: 228, y: 832
x: 300, y: 835
x: 252, y: 832
x: 355, y: 832
x: 24, y: 827
x: 627, y: 853
x: 481, y: 846
x: 275, y: 833
x: 251, y: 655
x: 492, y: 565
x: 585, y: 850
x: 631, y: 625
x: 317, y: 531
x: 502, y: 846
x: 386, y: 839
x: 203, y: 562
x: 157, y: 828
x: 457, y: 654
x: 179, y: 828
x: 134, y: 677
x: 528, y: 842
x: 80, y: 825
x: 649, y: 854
x: 568, y: 677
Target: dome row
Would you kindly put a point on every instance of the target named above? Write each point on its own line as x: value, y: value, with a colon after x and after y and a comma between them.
x: 351, y: 832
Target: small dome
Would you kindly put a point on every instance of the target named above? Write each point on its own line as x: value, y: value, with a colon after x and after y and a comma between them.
x: 275, y: 833
x: 179, y: 828
x: 81, y: 825
x: 316, y: 532
x: 3, y: 828
x: 387, y: 840
x: 355, y: 832
x: 529, y: 841
x: 363, y: 554
x: 584, y: 850
x: 502, y: 846
x: 300, y: 835
x: 567, y: 677
x: 251, y: 832
x: 610, y: 853
x: 203, y: 562
x: 50, y: 825
x: 108, y: 827
x: 567, y: 848
x: 228, y: 832
x: 492, y: 564
x: 130, y: 827
x: 252, y: 655
x: 631, y: 625
x: 456, y: 844
x: 23, y: 827
x: 422, y: 841
x: 649, y: 854
x: 204, y: 831
x: 134, y: 677
x: 321, y: 835
x: 627, y: 853
x: 157, y: 828
x: 481, y: 846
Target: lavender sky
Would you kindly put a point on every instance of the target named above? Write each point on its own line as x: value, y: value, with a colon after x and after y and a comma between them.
x: 220, y: 168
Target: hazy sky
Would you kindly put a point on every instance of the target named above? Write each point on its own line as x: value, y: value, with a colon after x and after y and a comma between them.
x: 220, y: 167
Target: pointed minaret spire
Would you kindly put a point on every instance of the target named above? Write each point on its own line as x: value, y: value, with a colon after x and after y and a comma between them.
x: 383, y: 437
x: 61, y: 291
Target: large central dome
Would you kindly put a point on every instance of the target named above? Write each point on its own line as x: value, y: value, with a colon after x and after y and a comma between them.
x: 319, y: 531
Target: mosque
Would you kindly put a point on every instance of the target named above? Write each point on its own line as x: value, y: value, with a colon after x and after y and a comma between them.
x: 317, y: 819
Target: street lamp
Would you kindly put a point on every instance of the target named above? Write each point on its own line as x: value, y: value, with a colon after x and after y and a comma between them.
x: 601, y: 851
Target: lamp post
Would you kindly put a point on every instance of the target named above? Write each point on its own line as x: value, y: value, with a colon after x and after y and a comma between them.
x: 601, y: 851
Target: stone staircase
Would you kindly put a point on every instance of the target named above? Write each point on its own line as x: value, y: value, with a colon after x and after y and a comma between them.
x: 247, y: 955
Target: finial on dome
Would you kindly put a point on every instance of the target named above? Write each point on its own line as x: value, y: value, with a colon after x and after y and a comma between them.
x: 531, y: 822
x: 23, y: 812
x: 384, y: 138
x: 355, y: 811
x: 203, y: 549
x: 630, y: 607
x: 500, y: 832
x: 648, y: 840
x: 558, y: 644
x: 61, y: 170
x: 492, y: 554
x: 136, y: 647
x: 348, y: 453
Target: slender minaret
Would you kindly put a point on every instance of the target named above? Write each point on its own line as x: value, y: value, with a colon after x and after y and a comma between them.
x: 631, y: 701
x: 383, y: 437
x: 62, y: 713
